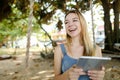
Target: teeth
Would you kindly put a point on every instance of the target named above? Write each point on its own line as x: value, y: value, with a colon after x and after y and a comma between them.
x: 72, y: 30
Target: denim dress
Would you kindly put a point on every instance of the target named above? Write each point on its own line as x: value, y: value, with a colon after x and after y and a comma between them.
x: 68, y: 61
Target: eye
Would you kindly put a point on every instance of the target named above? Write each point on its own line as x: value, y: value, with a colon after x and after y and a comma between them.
x: 66, y: 22
x: 75, y: 20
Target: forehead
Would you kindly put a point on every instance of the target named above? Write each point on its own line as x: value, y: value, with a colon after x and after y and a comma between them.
x: 71, y: 16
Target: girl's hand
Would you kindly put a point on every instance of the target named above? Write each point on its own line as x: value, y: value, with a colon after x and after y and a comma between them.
x: 74, y: 73
x: 97, y: 74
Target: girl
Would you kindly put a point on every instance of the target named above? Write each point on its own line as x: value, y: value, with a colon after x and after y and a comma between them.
x: 77, y: 44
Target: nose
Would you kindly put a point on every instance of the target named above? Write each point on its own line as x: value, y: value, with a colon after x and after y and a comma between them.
x: 70, y: 24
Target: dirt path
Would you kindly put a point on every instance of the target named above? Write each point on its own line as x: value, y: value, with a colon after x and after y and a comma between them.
x: 14, y: 69
x: 42, y: 69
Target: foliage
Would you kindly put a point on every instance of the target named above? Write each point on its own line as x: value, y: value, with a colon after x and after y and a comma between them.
x: 112, y: 36
x: 22, y: 5
x: 15, y: 25
x: 16, y: 13
x: 5, y: 8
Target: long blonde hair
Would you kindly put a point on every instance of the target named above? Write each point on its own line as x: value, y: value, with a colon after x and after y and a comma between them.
x: 85, y: 39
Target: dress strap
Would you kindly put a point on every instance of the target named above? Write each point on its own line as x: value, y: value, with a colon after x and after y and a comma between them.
x: 63, y: 49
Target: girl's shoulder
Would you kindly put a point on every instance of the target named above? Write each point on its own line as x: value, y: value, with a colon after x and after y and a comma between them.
x: 58, y: 50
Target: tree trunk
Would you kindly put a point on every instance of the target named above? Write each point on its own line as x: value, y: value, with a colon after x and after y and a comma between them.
x: 107, y: 25
x: 116, y: 9
x: 91, y: 7
x: 29, y: 31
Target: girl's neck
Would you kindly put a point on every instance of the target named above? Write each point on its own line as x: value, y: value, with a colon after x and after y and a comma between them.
x: 75, y: 42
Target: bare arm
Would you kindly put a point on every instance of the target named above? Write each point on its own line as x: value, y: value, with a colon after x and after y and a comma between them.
x: 70, y: 74
x: 57, y: 64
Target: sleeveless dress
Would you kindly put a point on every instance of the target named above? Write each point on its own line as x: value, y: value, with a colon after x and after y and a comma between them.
x: 68, y: 61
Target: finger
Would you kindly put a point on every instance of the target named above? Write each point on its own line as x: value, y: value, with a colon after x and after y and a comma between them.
x: 93, y: 72
x: 96, y: 75
x: 79, y: 71
x: 96, y: 71
x: 93, y: 78
x: 73, y: 75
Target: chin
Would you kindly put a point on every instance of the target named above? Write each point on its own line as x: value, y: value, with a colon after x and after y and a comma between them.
x: 73, y: 36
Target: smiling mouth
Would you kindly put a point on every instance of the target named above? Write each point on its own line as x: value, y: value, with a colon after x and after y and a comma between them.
x: 71, y: 30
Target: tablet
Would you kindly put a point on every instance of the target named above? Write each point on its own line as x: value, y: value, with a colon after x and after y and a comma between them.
x: 92, y: 63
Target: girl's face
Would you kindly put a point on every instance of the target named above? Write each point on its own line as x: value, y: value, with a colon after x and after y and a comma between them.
x: 72, y: 25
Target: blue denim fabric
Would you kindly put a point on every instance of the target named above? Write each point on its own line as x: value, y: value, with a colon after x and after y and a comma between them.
x: 84, y: 77
x: 68, y: 61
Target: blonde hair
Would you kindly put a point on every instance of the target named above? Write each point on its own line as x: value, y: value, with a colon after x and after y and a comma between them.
x: 85, y: 39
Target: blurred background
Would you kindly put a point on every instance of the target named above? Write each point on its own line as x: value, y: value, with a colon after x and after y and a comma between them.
x: 30, y: 29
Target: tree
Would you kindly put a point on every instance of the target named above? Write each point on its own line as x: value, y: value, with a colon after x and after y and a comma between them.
x: 5, y: 8
x: 14, y: 24
x: 116, y: 9
x: 45, y: 9
x: 30, y: 22
x: 107, y: 25
x: 112, y: 36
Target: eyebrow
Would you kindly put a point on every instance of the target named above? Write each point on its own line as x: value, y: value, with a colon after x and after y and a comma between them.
x: 73, y: 18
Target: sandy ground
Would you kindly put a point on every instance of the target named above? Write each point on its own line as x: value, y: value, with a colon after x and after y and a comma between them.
x: 42, y: 69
